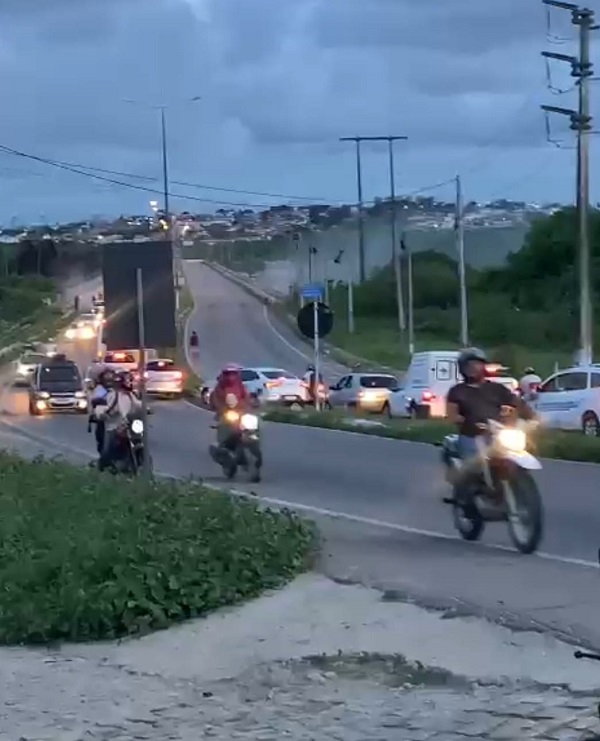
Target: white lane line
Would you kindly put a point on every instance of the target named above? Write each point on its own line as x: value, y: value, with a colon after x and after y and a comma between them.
x: 320, y: 511
x: 280, y: 336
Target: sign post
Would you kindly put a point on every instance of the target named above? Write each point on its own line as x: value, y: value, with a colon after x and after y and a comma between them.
x: 142, y: 366
x: 314, y: 293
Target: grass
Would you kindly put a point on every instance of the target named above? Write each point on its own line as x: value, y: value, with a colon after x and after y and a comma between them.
x: 568, y: 446
x: 86, y: 556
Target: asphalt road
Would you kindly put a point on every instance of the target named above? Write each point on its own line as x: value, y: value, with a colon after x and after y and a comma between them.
x: 390, y: 528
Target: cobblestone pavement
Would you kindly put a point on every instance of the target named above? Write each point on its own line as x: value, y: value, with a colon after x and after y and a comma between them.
x: 47, y: 698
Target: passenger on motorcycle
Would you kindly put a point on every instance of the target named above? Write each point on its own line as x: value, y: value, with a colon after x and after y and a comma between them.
x: 229, y: 383
x: 529, y: 383
x: 471, y: 403
x: 121, y: 402
x: 104, y: 383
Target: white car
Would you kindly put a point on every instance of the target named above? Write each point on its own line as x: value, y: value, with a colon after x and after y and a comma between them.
x: 368, y: 392
x: 270, y: 385
x: 570, y: 400
x: 81, y: 329
x: 120, y: 360
x: 163, y: 378
x: 25, y: 367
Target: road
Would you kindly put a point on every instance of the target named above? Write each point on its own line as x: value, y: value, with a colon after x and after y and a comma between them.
x: 390, y: 528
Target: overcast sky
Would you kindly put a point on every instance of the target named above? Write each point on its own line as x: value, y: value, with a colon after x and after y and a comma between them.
x: 280, y: 81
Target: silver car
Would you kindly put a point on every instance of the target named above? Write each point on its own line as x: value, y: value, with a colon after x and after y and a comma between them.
x: 368, y: 392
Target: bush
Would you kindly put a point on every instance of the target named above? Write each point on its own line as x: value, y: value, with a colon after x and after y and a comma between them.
x: 568, y: 446
x: 87, y: 556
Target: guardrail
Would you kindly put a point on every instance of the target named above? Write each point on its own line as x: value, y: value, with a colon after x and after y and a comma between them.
x: 249, y: 287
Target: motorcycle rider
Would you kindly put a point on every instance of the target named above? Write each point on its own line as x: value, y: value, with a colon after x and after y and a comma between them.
x: 228, y: 382
x: 529, y: 382
x: 194, y: 340
x: 121, y: 401
x: 473, y: 401
x: 104, y: 383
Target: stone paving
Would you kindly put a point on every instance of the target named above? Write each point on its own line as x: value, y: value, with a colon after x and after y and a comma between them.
x: 46, y: 698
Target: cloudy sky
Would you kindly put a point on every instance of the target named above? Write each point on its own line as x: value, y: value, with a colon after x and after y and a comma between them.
x: 280, y: 81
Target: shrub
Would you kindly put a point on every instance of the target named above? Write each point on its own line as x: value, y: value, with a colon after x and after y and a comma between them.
x: 87, y: 556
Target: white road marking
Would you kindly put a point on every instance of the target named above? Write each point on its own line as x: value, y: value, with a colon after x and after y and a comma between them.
x: 280, y: 336
x: 321, y: 511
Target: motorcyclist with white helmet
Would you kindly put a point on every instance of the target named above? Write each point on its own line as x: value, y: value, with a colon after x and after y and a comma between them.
x: 475, y: 400
x: 529, y: 383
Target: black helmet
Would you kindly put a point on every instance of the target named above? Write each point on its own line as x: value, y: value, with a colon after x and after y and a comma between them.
x: 106, y: 376
x: 311, y: 368
x: 125, y: 380
x: 468, y: 354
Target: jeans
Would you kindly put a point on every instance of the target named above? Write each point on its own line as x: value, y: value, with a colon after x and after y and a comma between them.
x: 108, y: 449
x: 467, y: 447
x: 100, y: 436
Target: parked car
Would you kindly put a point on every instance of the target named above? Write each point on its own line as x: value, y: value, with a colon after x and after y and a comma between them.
x: 25, y: 367
x: 570, y: 400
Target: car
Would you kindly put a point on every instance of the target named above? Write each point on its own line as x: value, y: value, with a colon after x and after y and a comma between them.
x: 163, y: 378
x: 570, y: 400
x: 270, y: 386
x: 369, y: 392
x: 120, y: 360
x: 57, y: 386
x: 25, y: 367
x: 431, y: 374
x: 80, y: 329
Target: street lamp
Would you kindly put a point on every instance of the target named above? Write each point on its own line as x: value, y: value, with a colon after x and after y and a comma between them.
x: 163, y: 129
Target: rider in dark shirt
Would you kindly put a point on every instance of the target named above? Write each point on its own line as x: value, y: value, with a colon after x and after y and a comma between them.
x: 471, y: 403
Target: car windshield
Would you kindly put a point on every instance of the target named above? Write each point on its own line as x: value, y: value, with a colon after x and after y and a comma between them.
x: 32, y: 359
x: 378, y: 382
x: 278, y: 374
x: 119, y: 358
x: 59, y: 374
x: 160, y: 365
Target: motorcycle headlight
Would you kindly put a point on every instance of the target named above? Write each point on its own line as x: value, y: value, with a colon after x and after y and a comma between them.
x: 249, y: 422
x: 231, y: 416
x: 137, y: 426
x: 515, y: 440
x: 70, y: 334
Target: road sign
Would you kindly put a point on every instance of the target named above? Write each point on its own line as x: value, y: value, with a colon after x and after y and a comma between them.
x: 306, y: 320
x: 312, y: 292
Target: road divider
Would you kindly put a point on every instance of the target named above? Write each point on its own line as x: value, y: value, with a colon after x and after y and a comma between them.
x: 251, y: 289
x: 554, y: 444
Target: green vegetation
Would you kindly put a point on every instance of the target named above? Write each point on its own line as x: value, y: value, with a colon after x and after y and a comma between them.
x: 27, y: 311
x: 84, y: 556
x: 524, y: 313
x: 548, y: 443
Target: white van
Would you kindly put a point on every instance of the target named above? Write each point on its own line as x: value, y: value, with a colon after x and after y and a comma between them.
x: 427, y: 382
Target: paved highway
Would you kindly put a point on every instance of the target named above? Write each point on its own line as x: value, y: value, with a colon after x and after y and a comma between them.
x: 391, y: 528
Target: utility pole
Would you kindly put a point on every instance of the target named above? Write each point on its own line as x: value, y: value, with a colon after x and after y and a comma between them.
x: 459, y: 229
x: 581, y: 122
x: 362, y: 268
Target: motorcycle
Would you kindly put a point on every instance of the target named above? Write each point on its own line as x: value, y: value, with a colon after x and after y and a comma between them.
x: 499, y: 488
x: 129, y: 450
x: 242, y: 446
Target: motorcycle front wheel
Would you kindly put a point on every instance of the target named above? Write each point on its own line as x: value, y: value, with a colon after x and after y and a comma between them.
x: 525, y: 511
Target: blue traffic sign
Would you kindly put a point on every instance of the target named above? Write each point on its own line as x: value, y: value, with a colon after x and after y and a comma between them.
x: 312, y: 292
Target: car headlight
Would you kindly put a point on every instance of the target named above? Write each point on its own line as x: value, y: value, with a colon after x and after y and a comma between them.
x: 249, y: 422
x: 43, y: 395
x: 80, y: 394
x: 137, y: 426
x: 515, y: 440
x: 22, y: 370
x: 70, y: 334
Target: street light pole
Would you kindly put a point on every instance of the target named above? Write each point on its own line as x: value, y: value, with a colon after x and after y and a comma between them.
x: 165, y: 161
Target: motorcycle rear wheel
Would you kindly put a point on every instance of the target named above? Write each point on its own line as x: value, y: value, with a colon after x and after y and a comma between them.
x: 468, y: 520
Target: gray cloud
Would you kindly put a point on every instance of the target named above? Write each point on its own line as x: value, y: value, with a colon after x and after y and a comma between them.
x: 280, y: 82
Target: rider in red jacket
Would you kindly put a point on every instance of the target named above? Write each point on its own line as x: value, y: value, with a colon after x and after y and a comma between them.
x: 229, y: 382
